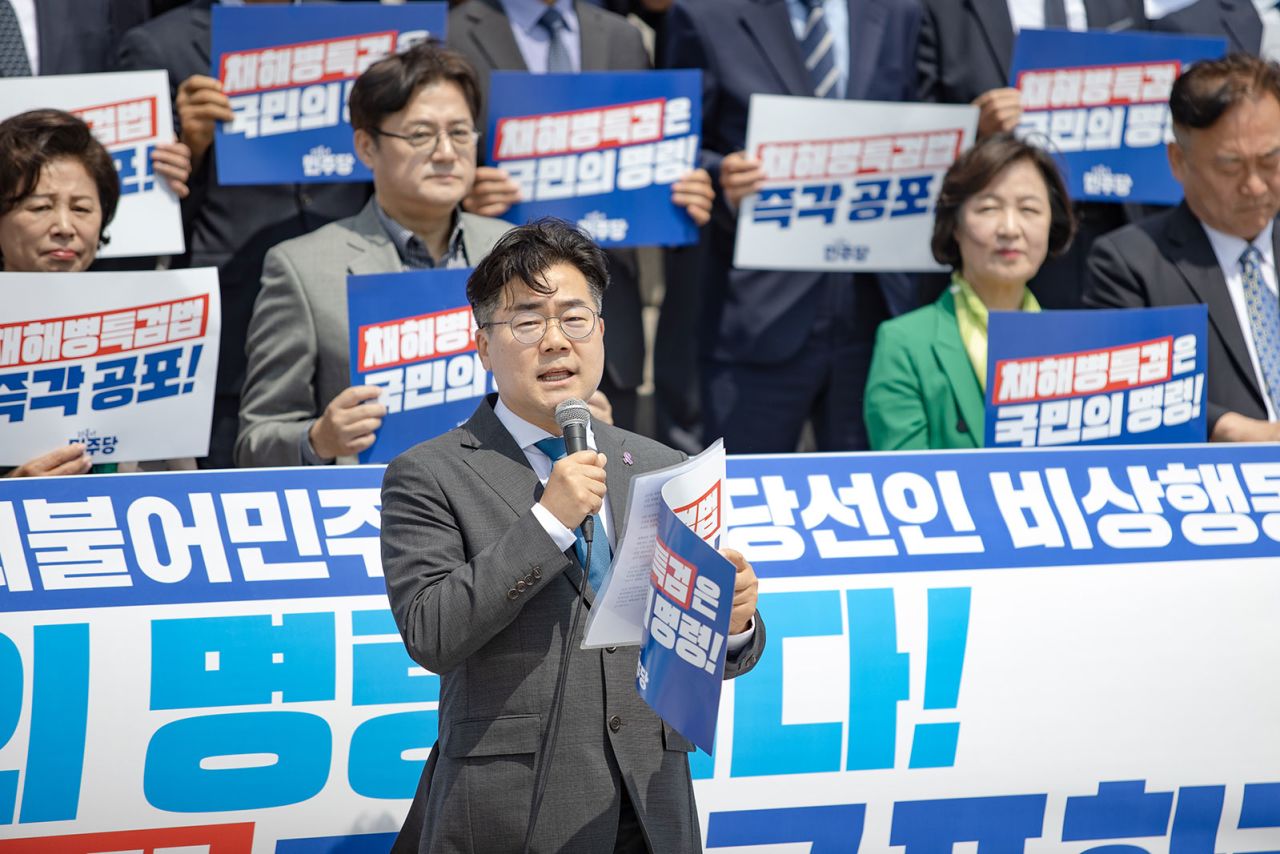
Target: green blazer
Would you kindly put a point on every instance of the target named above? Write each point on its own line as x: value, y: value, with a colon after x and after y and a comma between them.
x: 921, y: 390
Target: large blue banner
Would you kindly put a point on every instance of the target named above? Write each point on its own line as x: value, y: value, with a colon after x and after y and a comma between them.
x: 1100, y: 102
x: 288, y: 71
x: 600, y: 149
x: 413, y: 334
x: 1120, y: 377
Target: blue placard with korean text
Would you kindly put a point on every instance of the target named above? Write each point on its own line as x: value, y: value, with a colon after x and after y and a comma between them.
x: 412, y: 333
x: 686, y: 624
x: 288, y: 71
x: 1100, y: 102
x: 1115, y: 377
x: 600, y: 149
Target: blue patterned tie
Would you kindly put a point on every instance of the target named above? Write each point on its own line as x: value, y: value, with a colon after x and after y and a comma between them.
x: 14, y: 61
x: 553, y: 447
x: 818, y: 48
x: 1264, y: 321
x: 558, y: 59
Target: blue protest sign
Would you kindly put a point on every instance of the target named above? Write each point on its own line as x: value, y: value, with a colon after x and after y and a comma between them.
x: 1100, y: 102
x: 1127, y: 376
x: 413, y: 334
x: 601, y: 149
x: 686, y: 623
x: 288, y: 71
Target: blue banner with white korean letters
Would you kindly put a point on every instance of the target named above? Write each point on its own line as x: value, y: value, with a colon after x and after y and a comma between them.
x: 1100, y: 103
x: 288, y: 71
x: 1116, y: 377
x: 1048, y: 650
x: 600, y: 149
x: 413, y: 334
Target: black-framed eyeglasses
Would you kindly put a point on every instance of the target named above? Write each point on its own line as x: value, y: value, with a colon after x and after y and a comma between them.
x: 462, y: 139
x: 529, y: 327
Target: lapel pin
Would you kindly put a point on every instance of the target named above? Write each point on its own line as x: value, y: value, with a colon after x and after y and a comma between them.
x: 627, y: 459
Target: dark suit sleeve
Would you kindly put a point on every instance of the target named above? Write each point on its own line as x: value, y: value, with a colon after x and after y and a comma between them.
x: 1110, y: 281
x: 685, y: 49
x: 448, y: 607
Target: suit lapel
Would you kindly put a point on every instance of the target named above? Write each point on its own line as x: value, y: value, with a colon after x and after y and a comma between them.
x: 866, y: 31
x: 491, y: 37
x: 954, y: 361
x: 373, y: 251
x: 768, y: 23
x: 992, y: 17
x: 613, y: 444
x: 201, y: 43
x: 593, y: 44
x: 1247, y: 36
x: 1199, y: 268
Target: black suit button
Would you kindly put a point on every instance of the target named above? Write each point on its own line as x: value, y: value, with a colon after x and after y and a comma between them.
x: 521, y: 586
x: 615, y: 723
x: 536, y: 572
x: 306, y: 199
x: 610, y: 649
x: 512, y: 594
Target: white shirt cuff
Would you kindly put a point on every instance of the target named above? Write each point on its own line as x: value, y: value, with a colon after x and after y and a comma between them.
x: 735, y: 644
x: 559, y: 534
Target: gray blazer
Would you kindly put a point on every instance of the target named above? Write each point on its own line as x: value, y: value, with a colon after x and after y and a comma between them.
x: 482, y: 596
x: 297, y: 345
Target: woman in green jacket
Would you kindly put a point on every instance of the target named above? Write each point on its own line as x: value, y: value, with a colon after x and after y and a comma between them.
x: 1002, y: 210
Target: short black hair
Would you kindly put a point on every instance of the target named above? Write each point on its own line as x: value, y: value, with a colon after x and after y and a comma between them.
x: 978, y: 167
x: 386, y: 86
x: 524, y: 254
x: 1206, y: 90
x: 32, y: 140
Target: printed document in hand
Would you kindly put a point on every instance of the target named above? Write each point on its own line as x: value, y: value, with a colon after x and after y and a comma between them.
x: 693, y: 490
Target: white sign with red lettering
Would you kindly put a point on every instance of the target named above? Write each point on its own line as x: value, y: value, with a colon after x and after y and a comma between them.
x: 848, y: 185
x: 123, y: 363
x: 130, y: 114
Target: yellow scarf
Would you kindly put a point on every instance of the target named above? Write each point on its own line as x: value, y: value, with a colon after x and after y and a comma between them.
x: 971, y: 317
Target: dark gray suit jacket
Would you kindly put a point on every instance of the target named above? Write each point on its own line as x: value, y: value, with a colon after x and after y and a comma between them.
x: 483, y: 597
x: 80, y: 36
x: 1236, y: 20
x: 1167, y: 260
x: 480, y: 31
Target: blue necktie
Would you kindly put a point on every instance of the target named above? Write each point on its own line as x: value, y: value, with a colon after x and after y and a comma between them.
x: 14, y: 61
x: 558, y: 59
x: 1264, y: 321
x: 553, y: 447
x: 818, y: 48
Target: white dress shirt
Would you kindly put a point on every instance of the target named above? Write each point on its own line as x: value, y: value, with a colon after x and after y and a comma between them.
x: 1029, y: 15
x: 526, y: 435
x: 1228, y: 250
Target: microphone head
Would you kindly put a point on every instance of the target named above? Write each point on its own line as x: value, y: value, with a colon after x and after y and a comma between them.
x: 572, y: 411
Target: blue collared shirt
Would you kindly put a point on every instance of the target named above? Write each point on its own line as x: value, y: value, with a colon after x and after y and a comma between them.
x: 414, y: 254
x: 837, y: 13
x: 533, y: 40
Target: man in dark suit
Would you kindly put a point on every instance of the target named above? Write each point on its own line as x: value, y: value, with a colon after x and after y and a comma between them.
x: 230, y: 228
x: 780, y: 348
x: 67, y: 36
x: 479, y: 555
x: 1219, y: 247
x: 512, y: 35
x: 966, y: 53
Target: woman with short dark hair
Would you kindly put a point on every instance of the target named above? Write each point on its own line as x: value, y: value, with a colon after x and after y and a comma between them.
x: 58, y: 193
x: 1002, y: 210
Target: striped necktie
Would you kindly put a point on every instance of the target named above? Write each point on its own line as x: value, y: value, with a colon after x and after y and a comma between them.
x: 558, y: 59
x: 601, y: 556
x: 1264, y: 321
x: 14, y: 61
x: 818, y: 48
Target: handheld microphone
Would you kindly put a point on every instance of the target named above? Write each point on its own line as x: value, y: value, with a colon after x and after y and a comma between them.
x: 573, y: 416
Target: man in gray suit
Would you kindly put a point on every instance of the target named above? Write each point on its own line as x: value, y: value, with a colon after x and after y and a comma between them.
x: 414, y: 116
x: 478, y: 551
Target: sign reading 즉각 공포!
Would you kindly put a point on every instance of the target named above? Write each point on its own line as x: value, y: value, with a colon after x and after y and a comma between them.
x: 129, y: 113
x: 1100, y: 103
x: 838, y: 195
x: 288, y: 71
x: 600, y: 149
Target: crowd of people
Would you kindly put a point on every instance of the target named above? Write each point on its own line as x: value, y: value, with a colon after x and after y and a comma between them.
x: 867, y: 360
